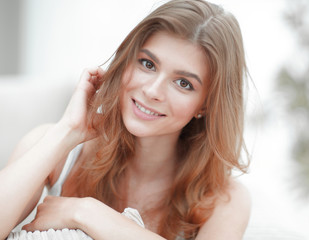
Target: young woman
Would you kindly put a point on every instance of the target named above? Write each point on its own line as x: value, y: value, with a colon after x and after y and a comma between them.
x: 159, y: 131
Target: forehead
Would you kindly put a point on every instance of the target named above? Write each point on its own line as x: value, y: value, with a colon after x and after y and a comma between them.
x: 178, y: 53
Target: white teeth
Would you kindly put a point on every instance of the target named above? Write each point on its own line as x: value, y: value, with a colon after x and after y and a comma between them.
x: 144, y: 110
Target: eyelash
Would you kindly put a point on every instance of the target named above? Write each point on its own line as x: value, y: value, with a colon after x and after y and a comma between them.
x: 178, y: 82
x: 144, y: 61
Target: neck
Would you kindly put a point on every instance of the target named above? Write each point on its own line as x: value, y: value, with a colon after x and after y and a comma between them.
x: 155, y: 157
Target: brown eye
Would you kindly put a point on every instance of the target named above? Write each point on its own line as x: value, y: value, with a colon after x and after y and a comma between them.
x: 185, y: 84
x: 147, y: 64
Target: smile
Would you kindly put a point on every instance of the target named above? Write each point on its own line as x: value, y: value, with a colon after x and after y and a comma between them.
x: 145, y: 110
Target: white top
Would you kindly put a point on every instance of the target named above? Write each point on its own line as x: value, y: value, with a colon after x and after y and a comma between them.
x: 56, y: 189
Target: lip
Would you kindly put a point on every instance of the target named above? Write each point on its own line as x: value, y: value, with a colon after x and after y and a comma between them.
x: 144, y: 115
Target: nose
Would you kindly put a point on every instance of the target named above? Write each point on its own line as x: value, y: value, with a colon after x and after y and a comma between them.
x: 155, y: 88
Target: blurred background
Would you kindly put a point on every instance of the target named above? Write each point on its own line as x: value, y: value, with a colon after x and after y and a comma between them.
x: 44, y: 45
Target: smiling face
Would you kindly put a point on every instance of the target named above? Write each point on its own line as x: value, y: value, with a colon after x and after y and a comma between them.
x: 165, y: 87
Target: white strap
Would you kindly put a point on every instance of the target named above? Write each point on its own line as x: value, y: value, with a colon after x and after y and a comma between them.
x: 56, y: 189
x: 134, y: 215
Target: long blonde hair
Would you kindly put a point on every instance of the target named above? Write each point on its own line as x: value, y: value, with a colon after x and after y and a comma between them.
x: 209, y: 147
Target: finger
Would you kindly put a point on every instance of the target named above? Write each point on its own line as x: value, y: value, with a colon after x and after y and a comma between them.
x: 93, y: 79
x: 93, y: 76
x: 87, y: 74
x: 94, y: 71
x: 39, y: 207
x: 26, y: 227
x: 100, y: 72
x: 29, y: 227
x: 97, y: 80
x: 48, y: 198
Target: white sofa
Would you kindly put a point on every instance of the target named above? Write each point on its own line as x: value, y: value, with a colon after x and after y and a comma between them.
x: 27, y: 102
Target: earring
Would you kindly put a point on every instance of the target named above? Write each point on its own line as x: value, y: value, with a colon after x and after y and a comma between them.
x: 199, y: 116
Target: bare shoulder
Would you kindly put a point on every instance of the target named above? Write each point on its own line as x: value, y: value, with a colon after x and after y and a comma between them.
x: 29, y: 140
x: 239, y: 194
x: 236, y: 204
x: 231, y: 214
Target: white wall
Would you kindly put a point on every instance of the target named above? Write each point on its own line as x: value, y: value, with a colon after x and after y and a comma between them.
x: 63, y: 37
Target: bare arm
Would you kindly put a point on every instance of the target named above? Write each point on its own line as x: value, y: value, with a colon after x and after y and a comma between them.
x: 22, y: 180
x: 24, y: 146
x: 109, y: 224
x: 90, y: 215
x: 40, y: 152
x: 230, y: 217
x: 99, y: 221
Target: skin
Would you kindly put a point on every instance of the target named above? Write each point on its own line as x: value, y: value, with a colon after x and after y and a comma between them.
x: 164, y: 83
x: 158, y: 81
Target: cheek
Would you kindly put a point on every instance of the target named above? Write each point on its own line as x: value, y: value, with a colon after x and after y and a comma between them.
x: 126, y: 77
x: 130, y: 80
x: 184, y: 109
x: 126, y: 83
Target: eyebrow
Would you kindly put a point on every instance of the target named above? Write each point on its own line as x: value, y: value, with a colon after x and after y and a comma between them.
x: 184, y: 73
x: 151, y: 55
x: 190, y: 75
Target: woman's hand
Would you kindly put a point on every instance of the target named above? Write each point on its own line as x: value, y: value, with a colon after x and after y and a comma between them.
x: 75, y: 117
x: 55, y: 213
x: 89, y: 215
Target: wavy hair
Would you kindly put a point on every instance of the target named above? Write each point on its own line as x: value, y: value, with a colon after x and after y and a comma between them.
x: 209, y: 147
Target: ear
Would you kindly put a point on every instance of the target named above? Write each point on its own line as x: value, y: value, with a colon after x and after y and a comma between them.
x: 200, y: 114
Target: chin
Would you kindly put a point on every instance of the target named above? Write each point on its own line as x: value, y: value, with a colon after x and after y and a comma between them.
x: 138, y: 131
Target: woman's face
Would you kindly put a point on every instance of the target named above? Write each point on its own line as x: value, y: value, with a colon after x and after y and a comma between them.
x: 164, y: 88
